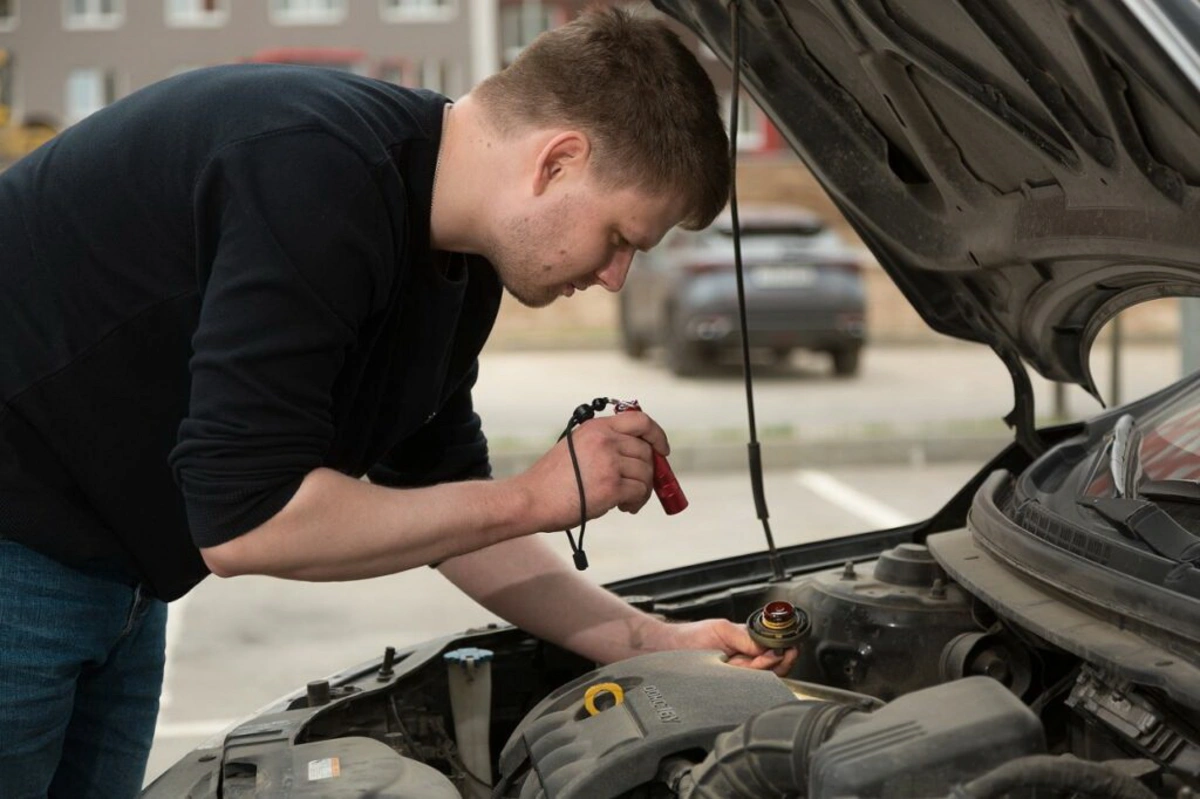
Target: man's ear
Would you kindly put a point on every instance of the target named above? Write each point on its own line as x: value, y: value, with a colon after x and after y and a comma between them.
x: 564, y: 158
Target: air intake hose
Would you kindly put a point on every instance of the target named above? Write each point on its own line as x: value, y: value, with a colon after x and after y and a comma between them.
x: 765, y: 756
x: 1058, y: 774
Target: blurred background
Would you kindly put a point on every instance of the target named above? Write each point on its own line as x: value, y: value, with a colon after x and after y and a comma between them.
x: 868, y: 418
x: 62, y: 60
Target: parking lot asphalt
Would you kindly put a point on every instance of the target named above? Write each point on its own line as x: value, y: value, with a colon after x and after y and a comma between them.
x: 908, y: 404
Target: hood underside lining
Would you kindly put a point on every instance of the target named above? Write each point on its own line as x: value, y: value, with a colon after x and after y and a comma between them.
x: 1022, y: 169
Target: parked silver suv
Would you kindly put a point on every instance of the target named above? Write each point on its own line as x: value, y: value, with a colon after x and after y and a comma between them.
x: 803, y: 290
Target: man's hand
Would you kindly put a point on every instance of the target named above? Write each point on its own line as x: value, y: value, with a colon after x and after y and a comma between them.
x: 730, y: 638
x: 615, y: 455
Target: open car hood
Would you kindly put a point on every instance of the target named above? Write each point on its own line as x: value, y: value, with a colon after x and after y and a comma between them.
x: 1023, y: 169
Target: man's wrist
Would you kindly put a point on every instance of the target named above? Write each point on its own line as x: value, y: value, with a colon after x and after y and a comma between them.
x: 643, y: 634
x: 660, y: 634
x: 514, y: 508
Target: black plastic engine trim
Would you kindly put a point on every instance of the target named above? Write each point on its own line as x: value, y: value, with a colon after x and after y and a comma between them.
x: 1152, y: 594
x: 1014, y: 594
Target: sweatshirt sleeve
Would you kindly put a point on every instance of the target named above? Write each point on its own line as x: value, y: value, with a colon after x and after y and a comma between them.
x: 450, y: 447
x: 291, y: 241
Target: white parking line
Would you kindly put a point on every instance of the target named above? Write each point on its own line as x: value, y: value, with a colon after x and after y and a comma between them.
x: 852, y: 500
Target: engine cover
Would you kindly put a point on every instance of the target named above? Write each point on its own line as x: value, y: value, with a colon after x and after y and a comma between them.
x: 673, y: 702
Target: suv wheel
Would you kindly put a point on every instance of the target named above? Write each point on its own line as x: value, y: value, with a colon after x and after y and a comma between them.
x: 846, y: 361
x: 632, y: 344
x: 684, y: 358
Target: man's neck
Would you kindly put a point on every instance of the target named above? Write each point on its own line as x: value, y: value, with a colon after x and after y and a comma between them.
x: 458, y: 215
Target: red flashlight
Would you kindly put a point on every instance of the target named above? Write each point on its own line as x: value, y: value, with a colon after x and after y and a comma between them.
x: 665, y: 485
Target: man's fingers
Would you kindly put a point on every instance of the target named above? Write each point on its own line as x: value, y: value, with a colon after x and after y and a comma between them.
x: 634, y: 495
x: 613, y: 448
x: 769, y: 660
x: 632, y: 447
x: 636, y: 469
x: 640, y: 425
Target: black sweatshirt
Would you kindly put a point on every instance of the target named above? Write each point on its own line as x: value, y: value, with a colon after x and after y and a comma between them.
x: 209, y: 289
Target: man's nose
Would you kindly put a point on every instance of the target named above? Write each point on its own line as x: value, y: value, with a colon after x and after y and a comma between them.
x: 612, y: 277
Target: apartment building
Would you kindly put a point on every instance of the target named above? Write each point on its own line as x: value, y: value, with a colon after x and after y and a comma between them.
x: 61, y: 60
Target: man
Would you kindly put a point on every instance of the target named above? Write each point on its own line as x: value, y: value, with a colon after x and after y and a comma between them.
x: 228, y: 296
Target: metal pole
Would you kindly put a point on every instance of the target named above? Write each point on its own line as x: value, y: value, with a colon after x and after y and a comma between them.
x: 1189, y: 334
x: 1114, y: 393
x: 1060, y: 401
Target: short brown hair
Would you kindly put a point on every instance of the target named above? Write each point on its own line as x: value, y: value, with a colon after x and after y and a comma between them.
x: 628, y: 82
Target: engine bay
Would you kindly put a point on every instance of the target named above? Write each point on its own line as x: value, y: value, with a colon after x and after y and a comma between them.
x: 919, y: 676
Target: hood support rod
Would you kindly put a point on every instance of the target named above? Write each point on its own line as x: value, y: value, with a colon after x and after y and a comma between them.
x: 754, y: 451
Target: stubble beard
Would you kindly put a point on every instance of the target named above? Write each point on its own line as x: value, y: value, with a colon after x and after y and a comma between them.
x: 517, y: 263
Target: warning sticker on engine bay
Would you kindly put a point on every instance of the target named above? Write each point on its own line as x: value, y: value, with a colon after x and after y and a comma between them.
x: 324, y: 769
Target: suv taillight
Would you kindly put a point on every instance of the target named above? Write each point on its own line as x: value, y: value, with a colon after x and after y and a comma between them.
x: 706, y: 268
x: 847, y: 267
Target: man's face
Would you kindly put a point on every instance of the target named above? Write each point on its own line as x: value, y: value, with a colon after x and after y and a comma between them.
x: 579, y: 236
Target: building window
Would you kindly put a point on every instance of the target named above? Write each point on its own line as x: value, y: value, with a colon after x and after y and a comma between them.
x: 397, y: 71
x: 436, y: 74
x: 439, y: 75
x: 751, y: 133
x: 93, y: 14
x: 308, y: 12
x: 6, y: 88
x: 418, y: 10
x: 340, y: 58
x: 197, y: 13
x: 89, y: 90
x: 522, y: 21
x: 8, y: 14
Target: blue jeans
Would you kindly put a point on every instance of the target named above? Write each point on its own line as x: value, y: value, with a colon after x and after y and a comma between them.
x: 81, y: 664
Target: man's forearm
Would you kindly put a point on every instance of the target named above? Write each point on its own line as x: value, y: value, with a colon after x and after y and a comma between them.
x: 524, y: 581
x: 339, y: 528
